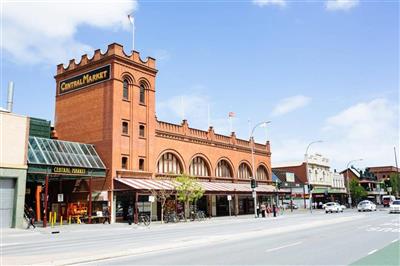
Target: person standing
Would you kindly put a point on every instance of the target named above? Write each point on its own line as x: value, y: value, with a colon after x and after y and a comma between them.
x: 274, y: 210
x: 106, y: 214
x: 31, y: 217
x: 130, y: 215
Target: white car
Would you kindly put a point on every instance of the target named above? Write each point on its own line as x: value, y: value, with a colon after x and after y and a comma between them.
x: 333, y: 207
x: 366, y: 205
x: 395, y: 207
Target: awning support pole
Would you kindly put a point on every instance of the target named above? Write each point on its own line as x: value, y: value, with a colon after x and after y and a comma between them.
x: 136, y: 216
x: 46, y: 192
x: 90, y: 201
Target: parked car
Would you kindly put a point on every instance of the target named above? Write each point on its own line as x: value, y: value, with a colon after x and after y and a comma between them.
x: 286, y: 205
x: 395, y: 207
x: 333, y: 207
x: 387, y: 200
x: 366, y: 205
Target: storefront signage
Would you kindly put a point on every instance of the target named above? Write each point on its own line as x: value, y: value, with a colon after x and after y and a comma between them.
x: 69, y: 170
x: 290, y: 177
x: 86, y: 79
x: 60, y: 197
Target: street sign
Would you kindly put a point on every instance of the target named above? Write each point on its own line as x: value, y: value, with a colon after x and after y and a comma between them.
x: 60, y: 197
x: 229, y: 197
x: 151, y: 198
x: 389, y: 189
x: 254, y: 194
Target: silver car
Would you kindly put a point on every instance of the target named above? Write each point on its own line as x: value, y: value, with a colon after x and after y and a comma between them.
x: 366, y: 205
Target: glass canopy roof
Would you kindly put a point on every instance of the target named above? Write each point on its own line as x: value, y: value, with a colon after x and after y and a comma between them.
x: 63, y: 153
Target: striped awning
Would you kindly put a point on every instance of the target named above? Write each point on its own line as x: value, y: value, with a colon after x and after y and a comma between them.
x: 149, y: 184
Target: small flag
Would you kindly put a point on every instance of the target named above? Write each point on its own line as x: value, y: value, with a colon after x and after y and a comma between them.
x: 231, y: 114
x: 130, y: 18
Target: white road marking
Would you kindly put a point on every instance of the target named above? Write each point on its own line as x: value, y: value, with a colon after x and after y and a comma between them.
x: 285, y: 246
x: 372, y: 251
x: 394, y: 241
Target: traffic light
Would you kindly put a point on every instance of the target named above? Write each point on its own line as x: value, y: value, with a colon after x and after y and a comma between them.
x: 253, y: 183
x: 279, y: 185
x: 310, y: 187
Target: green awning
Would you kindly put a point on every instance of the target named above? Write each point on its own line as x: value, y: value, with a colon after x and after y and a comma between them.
x: 329, y: 190
x: 50, y: 156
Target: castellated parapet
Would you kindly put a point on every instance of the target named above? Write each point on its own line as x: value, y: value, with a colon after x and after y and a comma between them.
x: 114, y: 49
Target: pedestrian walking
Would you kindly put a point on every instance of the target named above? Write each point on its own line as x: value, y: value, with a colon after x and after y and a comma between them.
x: 274, y: 210
x: 263, y: 209
x: 130, y: 215
x: 268, y: 210
x: 31, y: 218
x: 320, y: 204
x: 106, y: 214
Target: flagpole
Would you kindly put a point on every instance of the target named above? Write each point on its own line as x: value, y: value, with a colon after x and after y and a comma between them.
x: 183, y: 108
x: 132, y: 20
x: 208, y: 116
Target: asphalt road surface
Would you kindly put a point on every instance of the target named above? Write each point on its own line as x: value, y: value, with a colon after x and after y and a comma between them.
x: 291, y: 239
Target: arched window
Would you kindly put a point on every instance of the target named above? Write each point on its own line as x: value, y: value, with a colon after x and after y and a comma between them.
x: 169, y: 164
x: 262, y: 173
x: 142, y: 98
x: 223, y: 169
x: 125, y: 90
x: 198, y: 167
x: 244, y: 171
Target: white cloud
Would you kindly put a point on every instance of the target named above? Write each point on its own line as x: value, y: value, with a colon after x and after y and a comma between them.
x: 367, y: 130
x: 290, y: 104
x: 37, y: 31
x: 161, y: 55
x: 334, y: 5
x: 263, y: 3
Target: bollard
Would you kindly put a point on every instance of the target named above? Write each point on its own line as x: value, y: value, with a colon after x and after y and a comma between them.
x: 51, y: 219
x: 69, y: 220
x: 54, y: 218
x: 61, y: 220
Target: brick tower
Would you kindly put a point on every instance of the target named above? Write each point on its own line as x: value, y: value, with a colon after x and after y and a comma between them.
x: 109, y: 101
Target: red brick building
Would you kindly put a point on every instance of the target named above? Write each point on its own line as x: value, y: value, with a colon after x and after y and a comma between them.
x: 383, y: 173
x: 109, y: 101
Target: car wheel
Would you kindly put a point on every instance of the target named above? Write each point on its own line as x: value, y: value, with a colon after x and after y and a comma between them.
x: 359, y: 210
x: 326, y: 212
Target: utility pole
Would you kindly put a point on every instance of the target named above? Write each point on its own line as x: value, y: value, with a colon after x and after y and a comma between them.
x: 307, y: 175
x: 264, y: 124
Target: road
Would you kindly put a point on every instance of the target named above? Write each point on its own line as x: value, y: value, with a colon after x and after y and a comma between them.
x: 294, y: 239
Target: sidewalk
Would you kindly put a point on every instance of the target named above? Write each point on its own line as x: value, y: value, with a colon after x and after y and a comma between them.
x: 78, y: 228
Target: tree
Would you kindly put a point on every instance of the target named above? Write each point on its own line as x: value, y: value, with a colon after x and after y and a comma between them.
x: 394, y: 183
x: 188, y: 190
x: 161, y: 195
x: 357, y: 192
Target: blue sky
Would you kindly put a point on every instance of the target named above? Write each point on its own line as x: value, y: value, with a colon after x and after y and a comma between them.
x: 316, y: 69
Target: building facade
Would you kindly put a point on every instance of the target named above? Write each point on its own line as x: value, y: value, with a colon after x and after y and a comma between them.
x: 109, y: 101
x: 327, y: 185
x: 13, y: 167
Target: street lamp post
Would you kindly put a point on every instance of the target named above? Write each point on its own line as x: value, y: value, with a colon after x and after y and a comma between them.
x: 264, y: 124
x: 308, y: 178
x: 348, y: 180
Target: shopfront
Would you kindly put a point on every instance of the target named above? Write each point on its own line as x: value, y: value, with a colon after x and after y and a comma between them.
x: 217, y: 199
x: 60, y: 178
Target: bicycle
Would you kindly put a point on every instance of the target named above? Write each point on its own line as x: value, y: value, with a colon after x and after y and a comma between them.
x: 199, y: 215
x: 145, y: 219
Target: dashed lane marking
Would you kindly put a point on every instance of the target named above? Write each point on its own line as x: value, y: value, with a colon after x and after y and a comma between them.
x: 285, y: 246
x: 372, y: 251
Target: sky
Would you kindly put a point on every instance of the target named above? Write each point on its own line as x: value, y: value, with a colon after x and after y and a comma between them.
x: 318, y: 70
